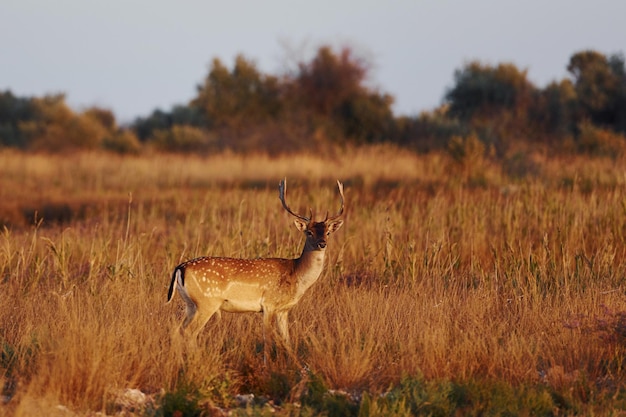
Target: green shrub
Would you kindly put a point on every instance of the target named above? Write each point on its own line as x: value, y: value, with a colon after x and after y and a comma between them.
x: 321, y: 400
x: 181, y: 138
x: 184, y: 402
x: 430, y: 398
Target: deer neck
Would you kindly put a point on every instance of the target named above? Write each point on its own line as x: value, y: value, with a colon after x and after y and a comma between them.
x: 309, y: 267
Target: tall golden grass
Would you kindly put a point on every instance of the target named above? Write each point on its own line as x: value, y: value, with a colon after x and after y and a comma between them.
x: 444, y: 270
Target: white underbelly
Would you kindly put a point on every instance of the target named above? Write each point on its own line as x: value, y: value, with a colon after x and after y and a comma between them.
x: 241, y: 306
x: 242, y: 297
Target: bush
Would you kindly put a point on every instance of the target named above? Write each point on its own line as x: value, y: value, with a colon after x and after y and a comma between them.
x: 122, y: 142
x: 181, y: 138
x: 75, y: 132
x: 182, y: 402
x: 597, y: 141
x: 430, y: 130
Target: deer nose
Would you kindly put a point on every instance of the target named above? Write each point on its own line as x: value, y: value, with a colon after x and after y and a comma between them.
x: 322, y: 244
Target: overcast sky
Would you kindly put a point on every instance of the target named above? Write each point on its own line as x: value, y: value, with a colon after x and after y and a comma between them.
x: 134, y: 56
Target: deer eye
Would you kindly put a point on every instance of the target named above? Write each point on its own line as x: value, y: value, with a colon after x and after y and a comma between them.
x: 308, y: 233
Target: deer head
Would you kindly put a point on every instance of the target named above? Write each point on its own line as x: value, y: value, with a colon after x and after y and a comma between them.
x: 316, y: 232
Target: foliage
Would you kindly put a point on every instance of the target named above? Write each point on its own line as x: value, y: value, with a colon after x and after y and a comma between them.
x: 123, y: 142
x: 501, y: 105
x: 429, y: 131
x: 183, y: 402
x: 329, y: 100
x: 318, y: 398
x: 416, y: 396
x: 327, y: 94
x: 331, y: 87
x: 61, y: 129
x: 181, y: 138
x: 13, y: 112
x: 482, y: 91
x: 494, y: 101
x: 161, y: 120
x: 555, y: 111
x: 598, y: 141
x: 48, y: 124
x: 241, y: 96
x: 600, y: 84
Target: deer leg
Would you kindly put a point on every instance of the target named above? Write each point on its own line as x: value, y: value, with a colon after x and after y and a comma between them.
x: 190, y: 314
x: 203, y: 313
x: 267, y: 323
x: 191, y: 307
x: 281, y: 322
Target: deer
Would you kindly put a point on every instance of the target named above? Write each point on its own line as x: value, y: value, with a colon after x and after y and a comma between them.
x: 271, y: 286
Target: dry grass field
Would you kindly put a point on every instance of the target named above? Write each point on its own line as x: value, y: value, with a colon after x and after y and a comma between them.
x: 455, y: 287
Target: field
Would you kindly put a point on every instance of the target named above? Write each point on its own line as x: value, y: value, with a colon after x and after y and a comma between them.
x: 457, y: 286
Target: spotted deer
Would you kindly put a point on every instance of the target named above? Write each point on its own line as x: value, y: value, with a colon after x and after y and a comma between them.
x: 271, y: 286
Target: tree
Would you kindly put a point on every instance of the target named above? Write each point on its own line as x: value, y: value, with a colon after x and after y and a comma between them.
x: 554, y: 111
x: 600, y: 84
x: 13, y: 112
x: 331, y: 88
x: 482, y: 91
x: 237, y: 98
x: 493, y: 101
x: 58, y: 128
x: 329, y: 80
x: 161, y: 120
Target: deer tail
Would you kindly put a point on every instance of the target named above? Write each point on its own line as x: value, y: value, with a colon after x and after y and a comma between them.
x: 177, y: 277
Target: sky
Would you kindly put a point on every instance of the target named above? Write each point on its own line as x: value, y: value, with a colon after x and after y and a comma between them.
x: 134, y: 56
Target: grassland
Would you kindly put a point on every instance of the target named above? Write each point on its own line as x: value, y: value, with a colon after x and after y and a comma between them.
x: 456, y: 286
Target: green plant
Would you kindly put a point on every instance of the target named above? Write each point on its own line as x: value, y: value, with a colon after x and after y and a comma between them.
x: 182, y: 402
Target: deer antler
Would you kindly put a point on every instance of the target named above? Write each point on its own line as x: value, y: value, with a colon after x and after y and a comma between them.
x: 282, y: 186
x: 340, y: 212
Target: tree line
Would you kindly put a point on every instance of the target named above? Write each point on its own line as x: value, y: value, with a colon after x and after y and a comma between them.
x: 326, y: 101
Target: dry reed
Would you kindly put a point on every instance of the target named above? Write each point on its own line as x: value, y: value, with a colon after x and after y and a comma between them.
x: 433, y: 274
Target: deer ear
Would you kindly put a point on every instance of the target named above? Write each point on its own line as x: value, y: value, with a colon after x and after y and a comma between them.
x: 334, y: 226
x: 301, y: 225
